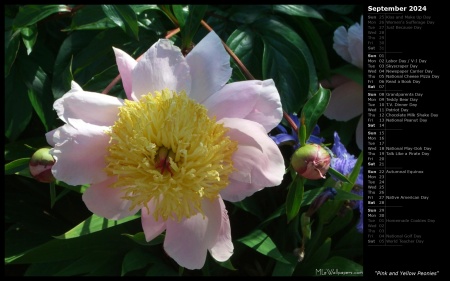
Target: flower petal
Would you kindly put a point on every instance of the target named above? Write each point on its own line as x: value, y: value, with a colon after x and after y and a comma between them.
x: 340, y: 44
x: 187, y: 241
x: 106, y: 201
x: 346, y: 102
x: 237, y: 190
x: 126, y: 64
x: 93, y: 108
x: 162, y: 66
x: 258, y: 160
x: 209, y: 65
x: 360, y: 133
x: 254, y: 100
x: 79, y: 150
x: 355, y: 44
x: 151, y: 227
x: 222, y: 249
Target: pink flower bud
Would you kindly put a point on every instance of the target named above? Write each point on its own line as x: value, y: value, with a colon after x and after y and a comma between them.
x: 41, y: 165
x: 311, y: 161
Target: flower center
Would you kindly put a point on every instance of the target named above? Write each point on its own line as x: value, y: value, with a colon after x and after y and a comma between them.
x: 166, y: 148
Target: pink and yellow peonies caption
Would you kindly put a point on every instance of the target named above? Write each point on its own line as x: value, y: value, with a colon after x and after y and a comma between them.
x: 182, y: 142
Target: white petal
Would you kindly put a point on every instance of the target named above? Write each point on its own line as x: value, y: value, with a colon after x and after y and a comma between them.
x: 209, y: 64
x: 237, y: 190
x: 223, y: 247
x: 340, y: 44
x: 162, y: 66
x: 346, y: 102
x: 258, y: 160
x: 93, y: 108
x: 125, y: 63
x: 79, y: 152
x: 106, y: 201
x: 254, y: 100
x: 151, y: 227
x: 187, y: 241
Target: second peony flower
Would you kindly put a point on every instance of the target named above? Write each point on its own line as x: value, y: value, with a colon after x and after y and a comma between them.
x: 182, y: 142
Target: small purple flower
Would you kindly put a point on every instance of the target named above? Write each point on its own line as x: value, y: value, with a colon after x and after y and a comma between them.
x: 344, y: 163
x: 290, y: 137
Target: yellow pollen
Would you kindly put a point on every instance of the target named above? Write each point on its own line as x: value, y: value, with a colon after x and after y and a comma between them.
x: 165, y: 147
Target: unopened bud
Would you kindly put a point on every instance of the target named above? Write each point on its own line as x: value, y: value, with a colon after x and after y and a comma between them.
x: 311, y: 161
x: 41, y: 165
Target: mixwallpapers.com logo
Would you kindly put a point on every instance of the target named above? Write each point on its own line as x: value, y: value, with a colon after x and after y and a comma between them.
x: 336, y: 272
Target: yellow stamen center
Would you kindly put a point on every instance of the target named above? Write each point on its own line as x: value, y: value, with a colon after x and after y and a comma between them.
x: 166, y: 148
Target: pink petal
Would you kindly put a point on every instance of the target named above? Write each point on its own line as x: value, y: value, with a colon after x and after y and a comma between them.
x: 94, y: 108
x: 151, y: 227
x: 187, y: 241
x: 125, y: 63
x: 223, y: 247
x: 106, y: 201
x: 162, y: 66
x: 346, y: 102
x: 209, y: 64
x: 253, y: 100
x: 80, y: 152
x: 237, y: 190
x: 360, y: 133
x: 258, y: 160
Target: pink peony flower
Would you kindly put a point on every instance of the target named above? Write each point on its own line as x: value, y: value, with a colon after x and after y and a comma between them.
x: 346, y: 100
x: 182, y: 142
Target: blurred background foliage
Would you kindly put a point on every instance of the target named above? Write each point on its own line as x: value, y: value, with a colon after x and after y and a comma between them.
x: 49, y: 231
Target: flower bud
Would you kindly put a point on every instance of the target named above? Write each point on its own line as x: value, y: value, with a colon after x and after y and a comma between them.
x: 311, y: 161
x: 41, y: 165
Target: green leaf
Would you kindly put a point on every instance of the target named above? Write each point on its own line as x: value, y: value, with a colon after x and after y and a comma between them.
x: 31, y: 14
x: 354, y: 174
x: 316, y: 45
x: 287, y: 60
x: 345, y: 195
x: 226, y: 264
x: 39, y: 91
x: 294, y: 197
x: 181, y: 12
x: 352, y: 72
x: 283, y: 269
x: 136, y: 259
x: 251, y: 206
x: 338, y: 175
x: 189, y: 19
x: 29, y: 36
x: 18, y: 109
x: 23, y: 148
x: 298, y: 10
x: 91, y: 17
x: 261, y: 242
x: 161, y: 269
x: 140, y: 239
x: 249, y: 49
x: 314, y: 108
x: 277, y: 213
x: 88, y: 263
x: 16, y: 165
x: 64, y: 249
x: 12, y: 43
x: 339, y: 266
x: 94, y: 224
x: 124, y: 17
x: 320, y: 255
